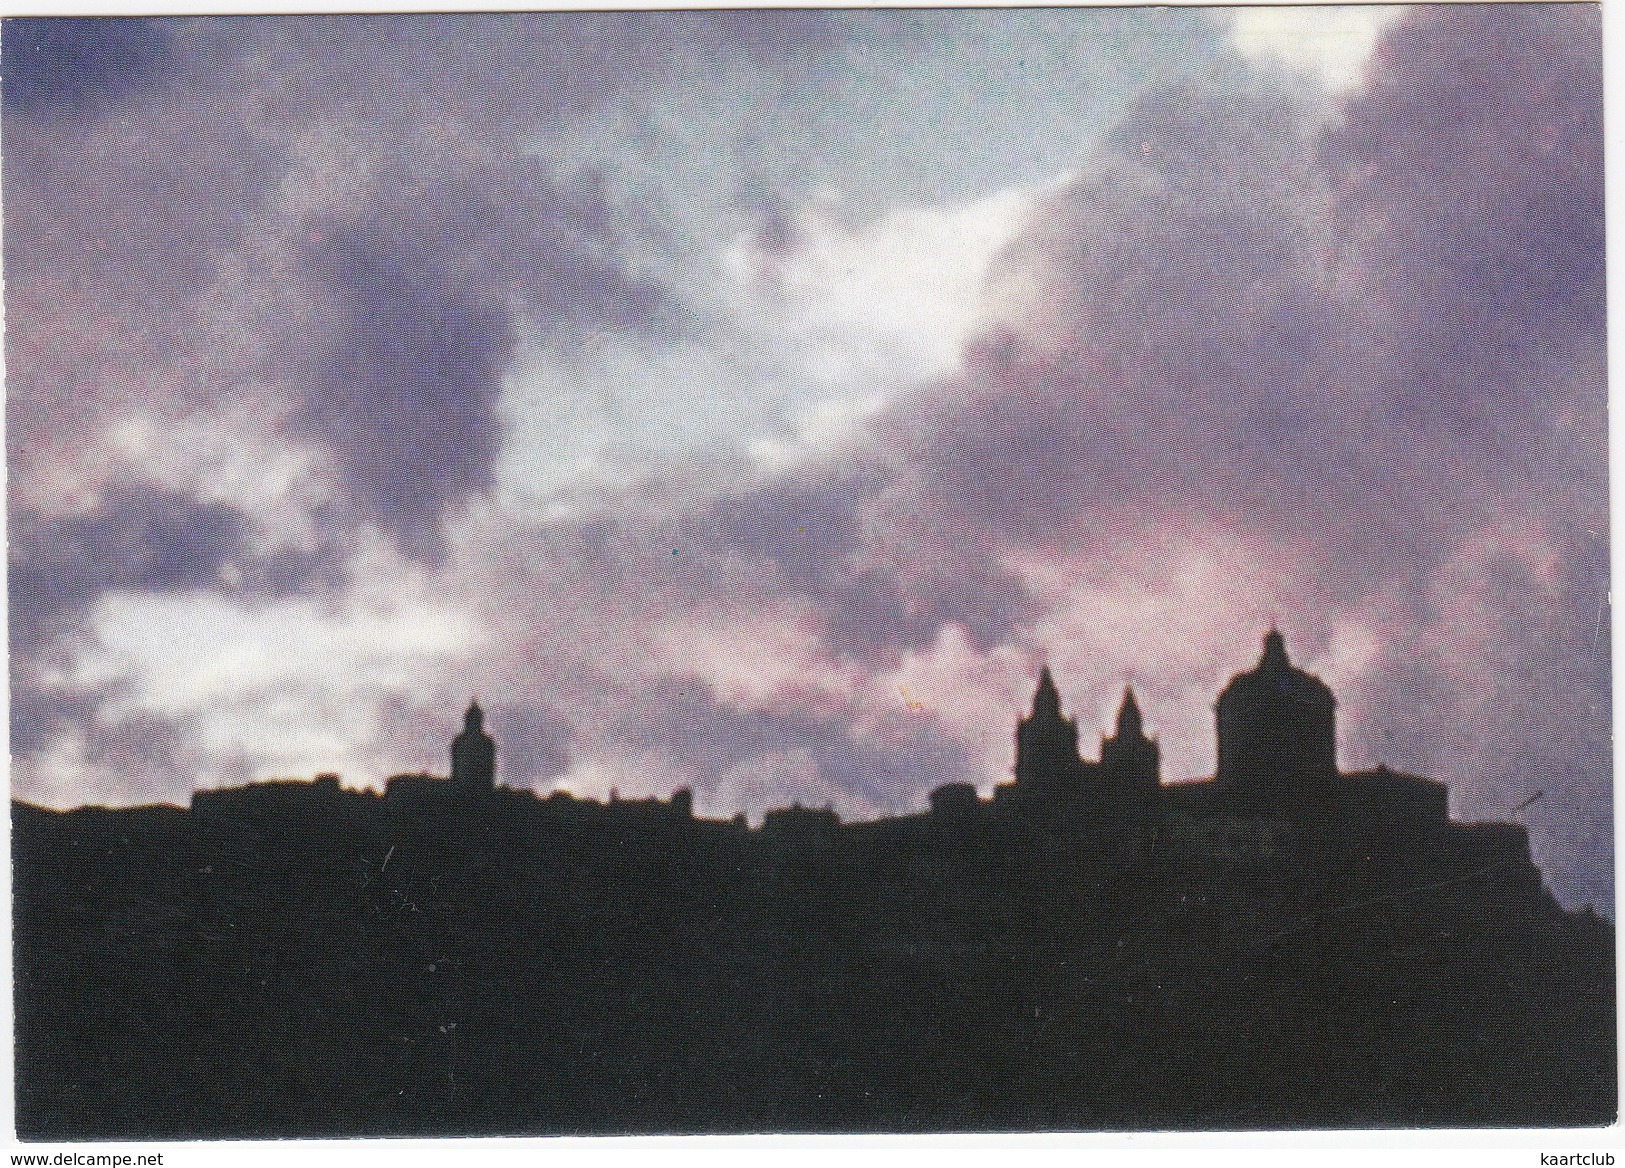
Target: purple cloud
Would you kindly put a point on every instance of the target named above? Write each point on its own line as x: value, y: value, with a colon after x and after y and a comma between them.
x: 1262, y: 353
x: 70, y: 67
x: 1469, y: 180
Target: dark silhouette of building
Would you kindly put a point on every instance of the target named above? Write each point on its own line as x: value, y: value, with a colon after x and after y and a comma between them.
x: 473, y: 755
x: 801, y: 825
x: 1277, y: 731
x: 1047, y: 763
x: 1052, y: 780
x: 955, y: 800
x: 1130, y: 765
x: 1281, y: 945
x: 1277, y: 790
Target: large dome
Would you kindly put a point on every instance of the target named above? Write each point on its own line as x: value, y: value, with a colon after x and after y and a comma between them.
x: 1277, y: 726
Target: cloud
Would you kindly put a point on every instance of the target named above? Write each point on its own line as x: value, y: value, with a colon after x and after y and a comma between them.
x: 144, y: 539
x: 1334, y: 44
x: 83, y: 762
x: 1156, y: 332
x: 429, y: 288
x: 306, y: 243
x: 69, y: 67
x: 719, y: 434
x: 1469, y: 180
x: 880, y: 582
x: 536, y: 745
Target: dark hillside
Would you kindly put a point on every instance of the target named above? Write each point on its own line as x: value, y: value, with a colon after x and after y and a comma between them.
x: 332, y: 966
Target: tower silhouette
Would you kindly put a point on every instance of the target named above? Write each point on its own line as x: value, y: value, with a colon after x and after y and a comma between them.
x: 1130, y: 763
x: 1047, y: 760
x: 473, y: 755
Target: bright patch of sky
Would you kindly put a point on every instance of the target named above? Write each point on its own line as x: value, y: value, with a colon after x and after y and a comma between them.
x: 896, y: 168
x: 188, y: 652
x: 256, y: 679
x: 1330, y: 43
x: 823, y: 326
x: 869, y: 309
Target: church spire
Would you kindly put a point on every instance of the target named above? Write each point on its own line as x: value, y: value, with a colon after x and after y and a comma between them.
x: 1130, y: 764
x: 1129, y: 724
x: 1047, y: 700
x: 1047, y: 744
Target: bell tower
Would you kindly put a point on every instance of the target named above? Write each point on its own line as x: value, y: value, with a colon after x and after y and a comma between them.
x: 473, y: 755
x: 1130, y: 762
x: 1047, y: 759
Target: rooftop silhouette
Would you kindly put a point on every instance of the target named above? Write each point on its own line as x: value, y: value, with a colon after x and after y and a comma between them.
x: 1281, y: 945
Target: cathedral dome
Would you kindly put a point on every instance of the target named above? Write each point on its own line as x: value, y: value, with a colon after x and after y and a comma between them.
x: 1275, y: 677
x: 1277, y: 725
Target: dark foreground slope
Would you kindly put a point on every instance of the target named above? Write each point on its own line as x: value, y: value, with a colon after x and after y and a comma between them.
x: 551, y: 973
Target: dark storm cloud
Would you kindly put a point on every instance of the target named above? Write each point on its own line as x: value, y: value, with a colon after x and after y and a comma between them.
x: 432, y: 236
x: 74, y: 66
x: 1209, y: 328
x: 818, y: 535
x: 36, y: 716
x: 1182, y: 317
x: 410, y: 389
x: 1469, y: 176
x: 807, y: 525
x: 766, y: 34
x: 427, y: 287
x: 144, y: 539
x: 535, y: 743
x: 877, y: 613
x: 134, y: 210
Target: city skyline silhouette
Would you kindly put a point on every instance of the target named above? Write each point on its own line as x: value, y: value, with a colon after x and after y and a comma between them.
x: 453, y: 957
x: 904, y: 570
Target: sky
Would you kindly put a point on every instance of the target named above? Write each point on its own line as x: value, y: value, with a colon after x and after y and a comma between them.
x: 755, y: 402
